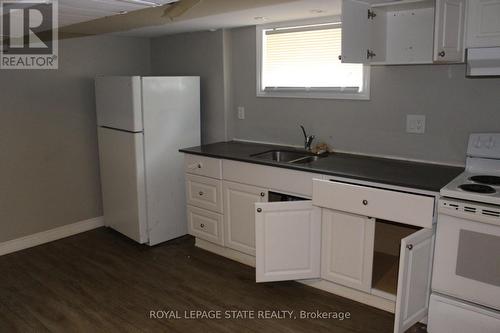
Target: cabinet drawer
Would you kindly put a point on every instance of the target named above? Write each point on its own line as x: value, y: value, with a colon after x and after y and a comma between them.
x: 273, y: 178
x: 203, y: 166
x: 204, y: 192
x: 389, y: 205
x: 205, y: 224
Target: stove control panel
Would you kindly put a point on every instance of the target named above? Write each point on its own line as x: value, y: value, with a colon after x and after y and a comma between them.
x: 485, y: 145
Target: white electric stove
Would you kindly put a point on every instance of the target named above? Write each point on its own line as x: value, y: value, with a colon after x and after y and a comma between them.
x: 466, y: 271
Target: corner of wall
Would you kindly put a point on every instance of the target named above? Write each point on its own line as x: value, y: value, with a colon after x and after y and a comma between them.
x: 227, y: 60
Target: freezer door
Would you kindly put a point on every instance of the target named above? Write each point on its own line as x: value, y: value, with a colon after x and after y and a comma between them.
x: 118, y: 102
x: 123, y: 184
x: 171, y: 121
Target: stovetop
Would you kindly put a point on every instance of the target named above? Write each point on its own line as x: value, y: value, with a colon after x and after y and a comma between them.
x: 481, y: 180
x: 468, y: 186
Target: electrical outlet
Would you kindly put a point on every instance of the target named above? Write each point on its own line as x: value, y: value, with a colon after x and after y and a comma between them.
x: 415, y: 123
x: 241, y: 112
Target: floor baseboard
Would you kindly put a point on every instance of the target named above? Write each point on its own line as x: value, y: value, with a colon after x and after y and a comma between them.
x: 50, y: 235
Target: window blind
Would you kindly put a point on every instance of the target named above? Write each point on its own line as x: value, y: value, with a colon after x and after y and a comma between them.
x: 307, y: 58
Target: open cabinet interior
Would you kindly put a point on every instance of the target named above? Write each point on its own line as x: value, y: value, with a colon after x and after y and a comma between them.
x: 388, y: 32
x: 403, y: 32
x: 388, y: 237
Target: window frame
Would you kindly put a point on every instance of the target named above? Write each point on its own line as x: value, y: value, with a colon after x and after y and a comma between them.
x: 321, y: 93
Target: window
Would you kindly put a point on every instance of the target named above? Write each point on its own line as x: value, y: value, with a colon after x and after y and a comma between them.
x: 302, y: 60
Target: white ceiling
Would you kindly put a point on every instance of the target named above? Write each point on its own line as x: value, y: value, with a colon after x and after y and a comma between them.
x: 76, y: 11
x: 300, y: 9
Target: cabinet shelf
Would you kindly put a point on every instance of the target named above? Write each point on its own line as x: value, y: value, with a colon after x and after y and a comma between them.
x: 385, y: 272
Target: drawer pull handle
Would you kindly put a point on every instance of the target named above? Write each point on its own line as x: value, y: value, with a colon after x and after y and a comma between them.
x: 202, y: 225
x: 262, y: 194
x: 365, y: 202
x: 201, y: 193
x: 409, y: 247
x: 442, y: 54
x: 259, y: 210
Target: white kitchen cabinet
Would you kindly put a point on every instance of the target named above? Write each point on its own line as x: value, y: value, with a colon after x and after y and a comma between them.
x: 239, y: 215
x: 483, y: 23
x: 347, y: 249
x: 414, y: 279
x: 288, y: 241
x: 382, y: 256
x: 402, y: 32
x: 449, y: 31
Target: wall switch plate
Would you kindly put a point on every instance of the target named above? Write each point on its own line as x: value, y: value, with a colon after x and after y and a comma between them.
x: 241, y: 112
x: 415, y: 123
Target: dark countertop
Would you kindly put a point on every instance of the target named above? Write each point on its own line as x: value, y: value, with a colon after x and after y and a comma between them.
x: 423, y: 176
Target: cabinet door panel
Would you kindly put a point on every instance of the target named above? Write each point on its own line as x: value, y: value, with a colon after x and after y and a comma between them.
x: 288, y: 236
x: 483, y: 26
x: 204, y: 192
x: 239, y: 215
x: 347, y: 249
x: 356, y: 33
x: 414, y: 279
x: 449, y: 34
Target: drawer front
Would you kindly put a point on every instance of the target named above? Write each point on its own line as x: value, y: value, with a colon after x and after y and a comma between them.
x: 203, y: 166
x: 389, y: 205
x: 273, y: 178
x: 205, y: 225
x: 448, y: 315
x: 204, y: 192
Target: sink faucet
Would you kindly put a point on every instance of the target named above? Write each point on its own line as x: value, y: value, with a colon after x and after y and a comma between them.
x: 308, y: 139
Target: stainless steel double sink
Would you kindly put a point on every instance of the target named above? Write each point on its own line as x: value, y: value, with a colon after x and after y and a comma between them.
x: 288, y: 156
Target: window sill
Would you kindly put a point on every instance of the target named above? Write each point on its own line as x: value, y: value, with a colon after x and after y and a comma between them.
x: 314, y: 95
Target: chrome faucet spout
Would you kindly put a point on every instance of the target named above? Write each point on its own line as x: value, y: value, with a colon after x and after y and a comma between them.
x: 308, y: 139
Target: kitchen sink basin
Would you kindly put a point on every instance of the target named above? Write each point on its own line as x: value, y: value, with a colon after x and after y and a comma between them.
x: 287, y: 156
x: 307, y: 159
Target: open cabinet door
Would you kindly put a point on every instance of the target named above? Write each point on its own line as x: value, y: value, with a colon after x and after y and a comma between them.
x: 414, y: 281
x: 449, y: 31
x: 356, y: 32
x: 288, y: 241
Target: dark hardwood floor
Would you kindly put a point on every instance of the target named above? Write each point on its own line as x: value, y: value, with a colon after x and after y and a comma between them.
x: 100, y: 281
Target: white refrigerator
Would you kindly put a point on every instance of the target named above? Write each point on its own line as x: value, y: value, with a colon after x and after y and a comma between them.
x: 142, y: 123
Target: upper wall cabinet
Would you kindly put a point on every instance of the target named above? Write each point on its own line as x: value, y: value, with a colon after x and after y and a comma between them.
x: 483, y: 25
x: 403, y: 32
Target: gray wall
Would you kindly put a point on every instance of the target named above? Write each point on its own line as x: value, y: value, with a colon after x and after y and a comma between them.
x: 454, y: 107
x: 48, y: 140
x: 200, y: 54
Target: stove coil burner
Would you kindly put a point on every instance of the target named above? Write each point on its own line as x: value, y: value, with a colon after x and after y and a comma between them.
x: 485, y: 189
x: 488, y: 180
